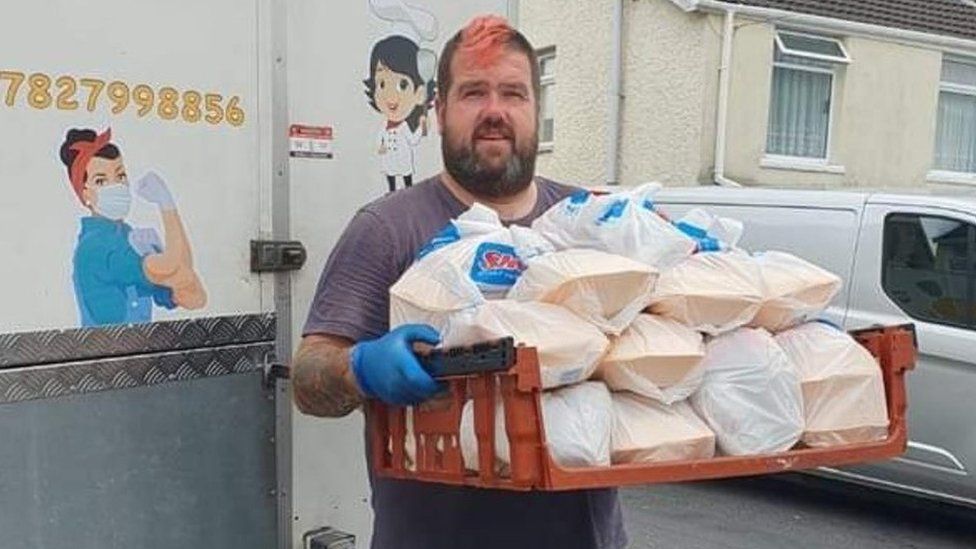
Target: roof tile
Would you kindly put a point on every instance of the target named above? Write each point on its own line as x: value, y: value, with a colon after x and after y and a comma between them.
x: 944, y: 17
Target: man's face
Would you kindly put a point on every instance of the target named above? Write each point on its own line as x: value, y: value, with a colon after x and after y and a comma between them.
x: 489, y: 124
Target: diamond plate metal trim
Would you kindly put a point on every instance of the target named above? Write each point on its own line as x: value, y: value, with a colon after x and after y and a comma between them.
x: 32, y: 348
x: 51, y: 381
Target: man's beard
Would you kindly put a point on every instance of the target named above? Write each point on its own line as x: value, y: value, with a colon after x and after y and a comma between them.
x: 479, y: 179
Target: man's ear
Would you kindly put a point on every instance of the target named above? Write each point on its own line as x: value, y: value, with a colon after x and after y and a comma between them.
x: 439, y: 107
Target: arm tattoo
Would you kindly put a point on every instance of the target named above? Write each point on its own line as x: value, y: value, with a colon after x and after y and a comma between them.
x: 319, y: 383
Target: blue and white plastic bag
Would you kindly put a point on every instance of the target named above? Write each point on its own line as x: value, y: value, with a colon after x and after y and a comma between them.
x: 458, y: 284
x: 623, y: 223
x: 710, y: 232
x: 474, y: 258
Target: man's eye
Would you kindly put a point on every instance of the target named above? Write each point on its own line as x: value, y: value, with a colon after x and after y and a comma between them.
x: 382, y: 84
x: 474, y: 93
x: 404, y: 84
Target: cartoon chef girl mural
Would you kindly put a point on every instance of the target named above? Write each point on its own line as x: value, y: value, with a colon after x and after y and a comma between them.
x: 400, y: 85
x: 120, y: 272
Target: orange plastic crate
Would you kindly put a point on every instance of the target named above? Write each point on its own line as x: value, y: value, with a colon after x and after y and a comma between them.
x: 436, y: 426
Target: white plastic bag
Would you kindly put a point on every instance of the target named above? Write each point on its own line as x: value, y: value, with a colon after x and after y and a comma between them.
x: 472, y: 259
x: 607, y: 290
x: 712, y: 233
x: 569, y: 348
x: 750, y: 396
x: 655, y: 357
x: 795, y: 290
x: 648, y: 431
x: 431, y: 290
x: 623, y: 223
x: 712, y: 292
x: 843, y: 390
x: 577, y: 421
x: 480, y: 248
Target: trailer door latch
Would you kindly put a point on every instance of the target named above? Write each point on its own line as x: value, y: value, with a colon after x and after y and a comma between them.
x: 277, y: 255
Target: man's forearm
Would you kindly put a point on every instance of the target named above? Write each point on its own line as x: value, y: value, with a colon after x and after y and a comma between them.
x: 322, y: 381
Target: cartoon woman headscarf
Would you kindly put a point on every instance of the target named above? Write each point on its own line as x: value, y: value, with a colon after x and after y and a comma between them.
x: 120, y: 272
x: 401, y: 86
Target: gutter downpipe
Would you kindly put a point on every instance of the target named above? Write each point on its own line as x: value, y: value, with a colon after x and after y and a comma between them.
x: 616, y: 54
x: 724, y: 82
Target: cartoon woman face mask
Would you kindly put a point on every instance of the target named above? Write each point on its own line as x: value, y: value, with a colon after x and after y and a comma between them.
x: 105, y: 186
x: 113, y: 201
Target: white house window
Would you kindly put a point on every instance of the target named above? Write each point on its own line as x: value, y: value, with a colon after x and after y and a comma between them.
x: 955, y: 138
x: 801, y: 101
x: 547, y: 73
x: 815, y: 48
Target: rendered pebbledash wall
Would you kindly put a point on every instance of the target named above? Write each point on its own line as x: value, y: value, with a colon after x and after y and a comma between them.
x: 883, y: 122
x: 667, y: 96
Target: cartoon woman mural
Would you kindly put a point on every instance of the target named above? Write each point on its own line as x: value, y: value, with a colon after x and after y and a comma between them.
x: 119, y: 271
x: 401, y: 86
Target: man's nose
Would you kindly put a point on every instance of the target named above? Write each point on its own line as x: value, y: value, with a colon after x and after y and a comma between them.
x: 492, y: 106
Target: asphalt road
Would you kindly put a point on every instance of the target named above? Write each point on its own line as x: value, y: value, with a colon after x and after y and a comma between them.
x: 790, y: 511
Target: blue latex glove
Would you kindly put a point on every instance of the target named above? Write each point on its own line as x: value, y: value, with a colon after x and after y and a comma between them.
x: 153, y: 189
x: 387, y: 369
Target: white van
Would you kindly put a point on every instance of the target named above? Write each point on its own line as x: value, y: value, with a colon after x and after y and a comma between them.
x: 904, y: 258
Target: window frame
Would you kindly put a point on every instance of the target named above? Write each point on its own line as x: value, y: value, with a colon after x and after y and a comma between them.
x: 546, y: 82
x: 939, y: 173
x: 969, y: 322
x: 845, y: 59
x: 777, y: 160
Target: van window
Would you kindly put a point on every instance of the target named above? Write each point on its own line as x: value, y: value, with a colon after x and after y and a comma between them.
x: 929, y: 268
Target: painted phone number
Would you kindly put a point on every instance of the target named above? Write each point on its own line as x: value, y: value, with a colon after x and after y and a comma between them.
x: 41, y: 91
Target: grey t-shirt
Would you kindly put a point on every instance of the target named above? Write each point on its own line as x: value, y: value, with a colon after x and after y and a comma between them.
x: 352, y: 301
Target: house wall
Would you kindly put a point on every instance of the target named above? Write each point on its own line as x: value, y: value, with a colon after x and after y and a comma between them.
x: 884, y: 107
x: 580, y: 32
x: 667, y: 93
x: 883, y: 113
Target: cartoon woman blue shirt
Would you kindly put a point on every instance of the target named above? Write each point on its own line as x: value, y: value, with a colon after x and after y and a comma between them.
x: 120, y: 272
x: 110, y: 283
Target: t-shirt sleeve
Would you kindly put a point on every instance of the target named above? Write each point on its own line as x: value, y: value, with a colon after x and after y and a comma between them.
x: 352, y: 298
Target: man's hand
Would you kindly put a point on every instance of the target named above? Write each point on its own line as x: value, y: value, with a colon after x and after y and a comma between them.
x: 387, y: 369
